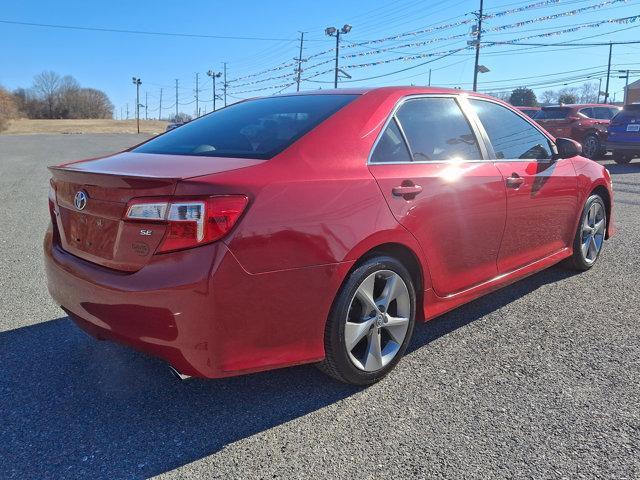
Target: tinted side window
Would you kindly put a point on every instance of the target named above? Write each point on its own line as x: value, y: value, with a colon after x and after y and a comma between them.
x: 511, y: 136
x: 391, y: 146
x: 603, y: 113
x: 436, y: 129
x: 587, y: 112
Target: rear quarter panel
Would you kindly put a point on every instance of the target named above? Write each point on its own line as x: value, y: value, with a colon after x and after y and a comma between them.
x: 316, y: 203
x: 591, y: 175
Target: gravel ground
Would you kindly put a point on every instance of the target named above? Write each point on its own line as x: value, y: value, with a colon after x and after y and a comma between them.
x: 539, y: 380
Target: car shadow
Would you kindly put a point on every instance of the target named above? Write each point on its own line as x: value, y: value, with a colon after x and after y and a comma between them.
x: 74, y: 407
x: 472, y: 311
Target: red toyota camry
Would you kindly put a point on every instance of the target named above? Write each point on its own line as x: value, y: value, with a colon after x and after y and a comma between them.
x: 316, y: 227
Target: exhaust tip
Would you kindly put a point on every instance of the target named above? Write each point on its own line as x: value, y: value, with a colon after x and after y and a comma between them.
x: 178, y: 375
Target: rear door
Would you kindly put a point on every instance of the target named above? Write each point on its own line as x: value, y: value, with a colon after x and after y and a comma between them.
x: 541, y: 192
x: 438, y: 184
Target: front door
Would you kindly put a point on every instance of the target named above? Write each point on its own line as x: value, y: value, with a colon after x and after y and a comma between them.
x: 440, y: 188
x: 541, y: 191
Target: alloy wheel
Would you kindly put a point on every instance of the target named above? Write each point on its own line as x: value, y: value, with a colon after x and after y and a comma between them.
x: 591, y: 146
x: 593, y: 231
x: 377, y: 320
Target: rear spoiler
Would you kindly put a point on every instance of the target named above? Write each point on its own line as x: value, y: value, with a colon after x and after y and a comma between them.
x: 110, y: 179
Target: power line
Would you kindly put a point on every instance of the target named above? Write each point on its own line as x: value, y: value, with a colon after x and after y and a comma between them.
x: 142, y: 32
x: 397, y: 71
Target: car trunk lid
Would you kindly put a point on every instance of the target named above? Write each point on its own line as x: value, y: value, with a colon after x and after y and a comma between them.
x: 92, y: 197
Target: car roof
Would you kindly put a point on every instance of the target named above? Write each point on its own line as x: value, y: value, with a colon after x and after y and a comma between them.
x: 402, y: 90
x: 580, y: 105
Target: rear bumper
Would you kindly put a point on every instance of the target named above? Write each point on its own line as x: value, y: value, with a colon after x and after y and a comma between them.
x: 199, y: 310
x: 161, y: 309
x: 626, y: 146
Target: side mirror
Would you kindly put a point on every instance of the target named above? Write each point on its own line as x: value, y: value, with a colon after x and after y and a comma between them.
x: 568, y: 148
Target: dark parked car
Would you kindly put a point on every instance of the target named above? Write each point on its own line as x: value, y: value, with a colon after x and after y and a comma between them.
x: 624, y: 134
x: 586, y: 123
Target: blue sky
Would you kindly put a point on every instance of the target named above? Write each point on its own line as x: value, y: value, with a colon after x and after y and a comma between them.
x: 107, y: 60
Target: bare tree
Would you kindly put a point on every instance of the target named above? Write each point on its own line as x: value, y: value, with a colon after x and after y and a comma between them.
x: 47, y: 85
x: 53, y: 96
x: 8, y: 108
x: 87, y: 103
x: 548, y: 97
x: 589, y: 93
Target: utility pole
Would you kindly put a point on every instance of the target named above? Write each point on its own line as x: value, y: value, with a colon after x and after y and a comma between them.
x: 334, y: 32
x: 160, y: 109
x: 429, y: 77
x: 300, y: 60
x: 479, y: 36
x: 225, y: 83
x: 176, y: 119
x: 146, y: 105
x: 121, y: 114
x: 197, y: 107
x: 626, y: 83
x: 137, y: 82
x: 127, y: 111
x: 213, y: 76
x: 606, y: 88
x: 599, y: 89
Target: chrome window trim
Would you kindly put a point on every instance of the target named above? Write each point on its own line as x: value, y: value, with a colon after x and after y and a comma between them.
x: 459, y: 162
x: 392, y: 116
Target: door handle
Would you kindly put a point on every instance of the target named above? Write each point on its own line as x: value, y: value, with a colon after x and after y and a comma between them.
x: 514, y: 181
x: 407, y: 190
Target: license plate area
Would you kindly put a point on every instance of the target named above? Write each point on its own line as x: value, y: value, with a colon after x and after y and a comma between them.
x: 90, y: 234
x: 633, y: 128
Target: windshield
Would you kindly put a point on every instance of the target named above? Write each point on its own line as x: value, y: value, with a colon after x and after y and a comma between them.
x: 259, y: 128
x: 552, y: 113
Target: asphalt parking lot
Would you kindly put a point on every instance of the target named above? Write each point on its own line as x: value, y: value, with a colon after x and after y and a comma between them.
x: 538, y: 380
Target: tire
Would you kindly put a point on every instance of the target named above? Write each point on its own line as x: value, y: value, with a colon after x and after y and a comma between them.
x: 590, y: 234
x: 373, y: 307
x: 621, y: 157
x: 592, y: 147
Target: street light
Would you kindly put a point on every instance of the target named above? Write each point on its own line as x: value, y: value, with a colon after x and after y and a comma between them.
x: 482, y: 69
x: 213, y: 76
x: 334, y: 32
x: 137, y: 82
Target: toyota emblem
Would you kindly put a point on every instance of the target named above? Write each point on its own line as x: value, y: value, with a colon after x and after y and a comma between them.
x: 80, y: 200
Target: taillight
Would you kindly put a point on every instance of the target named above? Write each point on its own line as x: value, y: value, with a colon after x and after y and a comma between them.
x: 191, y: 222
x: 52, y: 200
x: 52, y: 211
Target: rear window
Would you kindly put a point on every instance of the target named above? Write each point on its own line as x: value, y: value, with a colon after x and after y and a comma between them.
x: 258, y: 128
x: 552, y: 113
